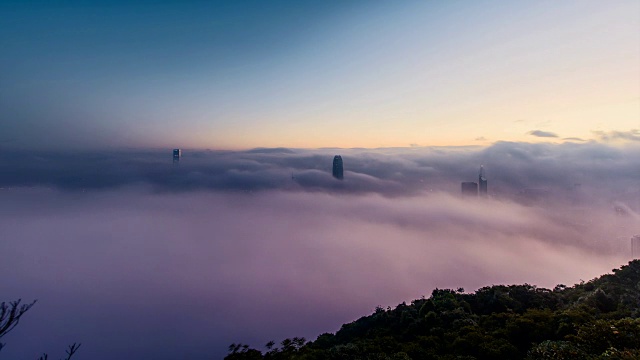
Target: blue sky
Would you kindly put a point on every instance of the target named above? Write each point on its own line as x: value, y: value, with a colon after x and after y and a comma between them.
x: 242, y: 74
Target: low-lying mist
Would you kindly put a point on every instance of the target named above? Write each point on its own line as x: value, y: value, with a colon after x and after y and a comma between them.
x: 251, y: 247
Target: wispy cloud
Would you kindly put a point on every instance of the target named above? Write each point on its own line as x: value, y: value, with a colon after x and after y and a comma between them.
x: 540, y: 133
x: 631, y: 135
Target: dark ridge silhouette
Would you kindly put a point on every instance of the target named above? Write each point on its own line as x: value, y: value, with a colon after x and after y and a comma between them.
x: 598, y: 319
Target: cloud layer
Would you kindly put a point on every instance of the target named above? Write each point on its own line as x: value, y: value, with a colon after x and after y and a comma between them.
x: 566, y: 170
x: 138, y: 258
x: 540, y: 133
x: 631, y: 135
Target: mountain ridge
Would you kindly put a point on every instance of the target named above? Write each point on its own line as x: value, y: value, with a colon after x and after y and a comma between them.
x: 598, y: 319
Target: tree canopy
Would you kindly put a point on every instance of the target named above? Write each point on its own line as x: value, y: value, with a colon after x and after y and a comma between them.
x: 598, y: 319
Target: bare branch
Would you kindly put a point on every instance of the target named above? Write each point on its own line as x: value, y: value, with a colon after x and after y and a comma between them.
x: 11, y: 313
x: 72, y: 350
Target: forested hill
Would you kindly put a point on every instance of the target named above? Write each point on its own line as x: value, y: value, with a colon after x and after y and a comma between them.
x: 599, y: 319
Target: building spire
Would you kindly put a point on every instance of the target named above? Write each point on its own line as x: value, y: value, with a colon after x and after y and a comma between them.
x: 482, y: 182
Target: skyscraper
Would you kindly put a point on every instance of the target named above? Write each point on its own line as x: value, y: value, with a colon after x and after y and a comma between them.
x: 469, y: 189
x: 482, y: 182
x: 338, y: 171
x: 177, y: 153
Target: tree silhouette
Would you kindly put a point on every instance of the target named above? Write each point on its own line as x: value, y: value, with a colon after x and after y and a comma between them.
x: 70, y: 351
x: 594, y: 320
x: 10, y: 315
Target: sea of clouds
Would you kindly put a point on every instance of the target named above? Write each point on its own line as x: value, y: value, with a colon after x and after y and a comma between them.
x: 140, y: 258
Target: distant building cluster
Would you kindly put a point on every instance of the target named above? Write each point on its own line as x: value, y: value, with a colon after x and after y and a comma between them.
x: 177, y: 154
x: 480, y: 188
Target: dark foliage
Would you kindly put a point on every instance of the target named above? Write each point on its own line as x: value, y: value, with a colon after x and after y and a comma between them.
x: 599, y: 319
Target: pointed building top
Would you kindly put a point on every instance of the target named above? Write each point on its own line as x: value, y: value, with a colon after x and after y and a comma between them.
x: 482, y: 182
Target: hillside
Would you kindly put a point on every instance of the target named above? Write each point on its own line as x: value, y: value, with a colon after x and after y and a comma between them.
x: 599, y: 319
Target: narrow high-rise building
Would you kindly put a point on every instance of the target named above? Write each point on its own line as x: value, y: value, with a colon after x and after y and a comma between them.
x: 177, y: 154
x: 338, y: 171
x: 482, y: 182
x: 469, y: 189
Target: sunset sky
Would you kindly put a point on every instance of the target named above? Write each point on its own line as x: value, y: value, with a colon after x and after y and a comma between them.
x: 309, y: 74
x: 248, y: 237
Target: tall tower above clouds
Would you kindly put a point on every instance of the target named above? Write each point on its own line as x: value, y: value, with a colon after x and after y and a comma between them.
x: 338, y: 171
x: 177, y: 154
x: 482, y: 182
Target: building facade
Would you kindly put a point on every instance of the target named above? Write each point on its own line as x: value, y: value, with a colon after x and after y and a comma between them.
x: 338, y: 169
x: 482, y: 182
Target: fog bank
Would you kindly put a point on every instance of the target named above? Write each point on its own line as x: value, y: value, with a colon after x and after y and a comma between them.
x: 136, y: 274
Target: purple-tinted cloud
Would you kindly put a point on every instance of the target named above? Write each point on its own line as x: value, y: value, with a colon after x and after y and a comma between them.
x: 135, y: 274
x: 138, y: 258
x: 511, y: 167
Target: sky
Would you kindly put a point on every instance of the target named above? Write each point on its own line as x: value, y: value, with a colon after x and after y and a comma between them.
x: 248, y: 237
x: 310, y: 74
